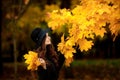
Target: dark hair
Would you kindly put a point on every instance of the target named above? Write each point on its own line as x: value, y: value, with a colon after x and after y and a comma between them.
x: 47, y: 52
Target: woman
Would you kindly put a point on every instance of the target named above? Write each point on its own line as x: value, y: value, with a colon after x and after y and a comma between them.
x: 51, y: 60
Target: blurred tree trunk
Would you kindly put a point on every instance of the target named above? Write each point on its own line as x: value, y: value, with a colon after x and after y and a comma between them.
x: 15, y: 57
x: 1, y: 63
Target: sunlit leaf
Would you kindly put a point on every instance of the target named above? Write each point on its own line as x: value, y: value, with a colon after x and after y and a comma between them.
x: 85, y: 45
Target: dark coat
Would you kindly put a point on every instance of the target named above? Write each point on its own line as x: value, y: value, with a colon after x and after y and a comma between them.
x: 49, y: 74
x: 52, y: 72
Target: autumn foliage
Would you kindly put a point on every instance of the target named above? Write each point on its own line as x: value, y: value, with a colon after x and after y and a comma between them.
x: 32, y: 61
x: 83, y: 23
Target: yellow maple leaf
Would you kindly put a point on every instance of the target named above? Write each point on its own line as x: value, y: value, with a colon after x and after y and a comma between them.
x: 61, y: 44
x: 68, y: 51
x: 84, y: 44
x: 70, y: 41
x: 99, y: 31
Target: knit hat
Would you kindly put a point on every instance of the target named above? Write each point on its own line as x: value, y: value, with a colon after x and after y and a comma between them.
x: 37, y: 35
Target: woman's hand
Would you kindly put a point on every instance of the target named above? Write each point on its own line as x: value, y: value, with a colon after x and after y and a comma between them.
x: 43, y: 63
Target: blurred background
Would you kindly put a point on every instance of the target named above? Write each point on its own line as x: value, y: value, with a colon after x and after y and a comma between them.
x: 19, y: 17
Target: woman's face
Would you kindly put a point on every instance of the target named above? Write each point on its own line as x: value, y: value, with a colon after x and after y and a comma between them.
x: 48, y: 39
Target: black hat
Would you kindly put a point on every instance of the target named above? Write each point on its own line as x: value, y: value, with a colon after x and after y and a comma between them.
x: 38, y: 34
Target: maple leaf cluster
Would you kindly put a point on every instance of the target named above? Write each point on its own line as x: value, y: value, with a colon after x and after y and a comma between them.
x: 84, y: 22
x: 32, y: 60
